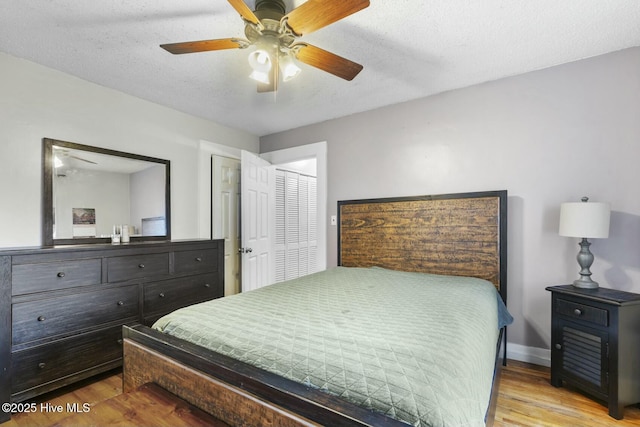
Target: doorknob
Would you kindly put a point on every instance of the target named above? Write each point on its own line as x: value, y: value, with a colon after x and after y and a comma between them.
x: 245, y: 250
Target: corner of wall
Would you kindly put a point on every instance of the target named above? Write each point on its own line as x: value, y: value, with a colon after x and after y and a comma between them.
x: 534, y: 355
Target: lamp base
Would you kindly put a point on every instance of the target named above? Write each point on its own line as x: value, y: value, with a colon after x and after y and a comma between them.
x: 585, y: 283
x: 585, y: 259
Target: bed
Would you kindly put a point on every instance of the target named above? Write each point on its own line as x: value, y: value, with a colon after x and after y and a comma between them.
x: 377, y: 341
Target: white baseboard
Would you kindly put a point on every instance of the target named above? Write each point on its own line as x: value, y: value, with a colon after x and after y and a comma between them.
x: 537, y: 356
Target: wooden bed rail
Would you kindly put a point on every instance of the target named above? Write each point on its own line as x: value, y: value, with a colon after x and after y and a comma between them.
x: 233, y: 391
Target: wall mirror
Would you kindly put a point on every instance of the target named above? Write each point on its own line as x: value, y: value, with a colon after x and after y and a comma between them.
x: 89, y: 192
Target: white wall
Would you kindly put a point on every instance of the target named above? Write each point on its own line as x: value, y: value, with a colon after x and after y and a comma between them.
x: 547, y: 137
x: 106, y: 192
x: 38, y: 102
x: 147, y: 195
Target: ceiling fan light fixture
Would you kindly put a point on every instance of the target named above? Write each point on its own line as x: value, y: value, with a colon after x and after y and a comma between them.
x: 289, y: 69
x: 260, y: 62
x: 259, y: 76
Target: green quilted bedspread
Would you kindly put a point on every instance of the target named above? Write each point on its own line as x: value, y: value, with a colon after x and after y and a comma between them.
x: 419, y: 348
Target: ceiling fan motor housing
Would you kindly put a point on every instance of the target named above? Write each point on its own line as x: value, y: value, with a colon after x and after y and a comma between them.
x: 270, y: 13
x: 270, y: 5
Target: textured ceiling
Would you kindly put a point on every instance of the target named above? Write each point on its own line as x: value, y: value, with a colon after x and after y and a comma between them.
x: 409, y: 49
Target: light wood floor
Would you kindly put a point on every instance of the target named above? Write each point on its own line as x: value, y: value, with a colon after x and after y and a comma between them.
x: 526, y: 399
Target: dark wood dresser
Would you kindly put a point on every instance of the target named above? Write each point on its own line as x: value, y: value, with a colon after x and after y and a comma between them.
x: 62, y: 308
x: 595, y: 343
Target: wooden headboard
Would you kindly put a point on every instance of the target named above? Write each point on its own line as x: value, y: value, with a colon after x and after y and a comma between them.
x: 462, y: 234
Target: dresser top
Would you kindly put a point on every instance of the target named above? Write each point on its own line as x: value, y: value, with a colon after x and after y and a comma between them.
x: 102, y: 246
x: 606, y: 295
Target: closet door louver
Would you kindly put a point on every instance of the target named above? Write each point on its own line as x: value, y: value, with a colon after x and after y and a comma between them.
x: 292, y: 210
x: 312, y: 226
x: 296, y: 225
x: 303, y: 225
x: 281, y: 231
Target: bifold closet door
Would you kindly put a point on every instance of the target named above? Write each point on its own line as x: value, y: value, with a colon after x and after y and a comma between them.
x: 296, y: 232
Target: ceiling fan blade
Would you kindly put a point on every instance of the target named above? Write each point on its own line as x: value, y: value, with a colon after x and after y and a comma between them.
x: 81, y: 159
x: 245, y: 12
x: 327, y: 61
x: 204, y: 45
x: 316, y: 14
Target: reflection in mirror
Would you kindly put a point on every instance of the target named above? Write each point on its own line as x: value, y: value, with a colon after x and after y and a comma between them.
x: 90, y: 194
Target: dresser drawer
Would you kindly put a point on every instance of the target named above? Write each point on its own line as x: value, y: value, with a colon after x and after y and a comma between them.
x: 41, y: 364
x: 582, y: 312
x: 196, y: 262
x: 30, y: 278
x: 169, y: 295
x: 39, y: 319
x: 137, y: 266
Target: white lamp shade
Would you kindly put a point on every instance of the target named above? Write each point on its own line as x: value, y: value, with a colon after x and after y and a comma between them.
x: 260, y: 61
x: 585, y: 219
x: 288, y: 67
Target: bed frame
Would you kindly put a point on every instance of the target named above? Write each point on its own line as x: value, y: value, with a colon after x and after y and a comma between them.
x: 456, y: 234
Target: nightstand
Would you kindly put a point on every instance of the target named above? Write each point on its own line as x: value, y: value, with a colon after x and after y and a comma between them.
x: 595, y: 343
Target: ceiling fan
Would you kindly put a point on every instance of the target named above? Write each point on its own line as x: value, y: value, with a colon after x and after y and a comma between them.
x: 62, y: 153
x: 275, y: 36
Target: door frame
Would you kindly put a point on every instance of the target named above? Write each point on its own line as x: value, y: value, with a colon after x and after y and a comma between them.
x: 207, y: 149
x: 318, y: 150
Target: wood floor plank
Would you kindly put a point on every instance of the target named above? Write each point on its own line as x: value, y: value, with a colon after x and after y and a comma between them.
x: 91, y: 391
x: 149, y: 405
x: 526, y: 399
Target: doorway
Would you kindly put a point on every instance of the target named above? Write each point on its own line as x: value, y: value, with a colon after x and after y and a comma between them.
x: 230, y: 199
x: 225, y: 211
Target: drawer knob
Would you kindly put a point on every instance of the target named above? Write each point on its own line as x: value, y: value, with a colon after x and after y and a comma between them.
x: 199, y: 259
x: 41, y: 318
x: 577, y: 312
x: 121, y: 303
x: 161, y: 295
x: 119, y: 340
x: 60, y: 274
x: 41, y: 365
x: 140, y: 265
x: 206, y: 285
x: 558, y: 347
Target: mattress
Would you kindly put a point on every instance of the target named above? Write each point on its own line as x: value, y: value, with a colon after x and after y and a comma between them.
x: 416, y: 347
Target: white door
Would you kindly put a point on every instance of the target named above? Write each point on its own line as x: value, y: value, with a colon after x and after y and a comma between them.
x: 257, y: 221
x: 296, y: 230
x: 225, y: 217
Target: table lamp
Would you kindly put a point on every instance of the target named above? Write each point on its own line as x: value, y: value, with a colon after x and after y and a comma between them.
x: 585, y: 220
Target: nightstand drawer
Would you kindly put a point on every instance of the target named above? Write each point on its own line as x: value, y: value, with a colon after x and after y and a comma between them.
x: 582, y: 312
x: 137, y: 266
x: 39, y: 319
x: 196, y: 262
x: 30, y: 278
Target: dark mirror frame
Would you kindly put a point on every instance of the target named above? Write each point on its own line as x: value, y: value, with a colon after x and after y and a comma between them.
x: 47, y: 192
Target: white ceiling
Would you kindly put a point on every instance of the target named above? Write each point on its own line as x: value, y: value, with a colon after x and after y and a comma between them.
x: 409, y: 49
x: 72, y: 159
